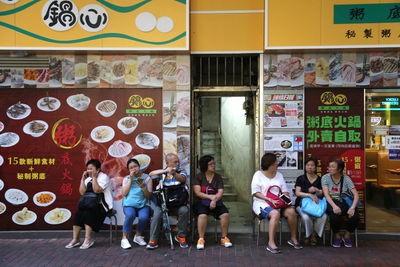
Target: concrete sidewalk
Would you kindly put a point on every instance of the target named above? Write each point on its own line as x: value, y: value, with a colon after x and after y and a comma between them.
x: 373, y: 250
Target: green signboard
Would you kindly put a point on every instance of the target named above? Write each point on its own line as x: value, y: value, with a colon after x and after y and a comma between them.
x: 367, y: 13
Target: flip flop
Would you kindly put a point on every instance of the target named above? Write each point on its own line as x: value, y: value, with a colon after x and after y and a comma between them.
x: 70, y: 245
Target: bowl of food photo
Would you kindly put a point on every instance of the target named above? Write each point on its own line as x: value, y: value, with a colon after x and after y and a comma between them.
x: 106, y: 108
x: 128, y: 124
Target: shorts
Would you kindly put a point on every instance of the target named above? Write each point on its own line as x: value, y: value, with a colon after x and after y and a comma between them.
x: 264, y: 213
x: 199, y: 208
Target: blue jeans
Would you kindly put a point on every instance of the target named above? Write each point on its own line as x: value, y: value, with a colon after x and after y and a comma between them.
x: 131, y: 213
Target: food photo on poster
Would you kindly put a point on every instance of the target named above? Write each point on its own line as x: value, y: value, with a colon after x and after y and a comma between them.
x: 287, y: 147
x: 283, y: 110
x: 48, y: 135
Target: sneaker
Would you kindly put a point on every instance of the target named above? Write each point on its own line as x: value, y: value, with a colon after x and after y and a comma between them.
x: 336, y: 243
x: 182, y: 241
x: 347, y: 242
x: 273, y: 250
x: 200, y: 243
x: 226, y: 242
x: 139, y: 240
x: 296, y: 246
x: 70, y: 245
x: 88, y: 245
x: 125, y: 244
x: 152, y: 245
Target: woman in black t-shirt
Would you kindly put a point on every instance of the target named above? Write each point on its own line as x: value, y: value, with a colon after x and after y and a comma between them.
x: 309, y: 185
x: 208, y: 188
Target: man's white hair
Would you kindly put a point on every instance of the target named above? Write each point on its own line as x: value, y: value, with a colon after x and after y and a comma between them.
x: 170, y: 156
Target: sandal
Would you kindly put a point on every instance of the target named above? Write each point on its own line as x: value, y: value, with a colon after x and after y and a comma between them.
x: 314, y: 239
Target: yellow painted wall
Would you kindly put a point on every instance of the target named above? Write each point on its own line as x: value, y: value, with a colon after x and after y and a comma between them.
x: 119, y: 22
x: 310, y: 23
x: 220, y: 32
x: 197, y: 5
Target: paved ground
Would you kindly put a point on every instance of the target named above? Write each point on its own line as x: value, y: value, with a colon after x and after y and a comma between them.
x: 373, y: 251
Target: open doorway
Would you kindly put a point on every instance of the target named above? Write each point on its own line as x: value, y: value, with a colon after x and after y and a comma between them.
x: 226, y: 130
x: 382, y: 154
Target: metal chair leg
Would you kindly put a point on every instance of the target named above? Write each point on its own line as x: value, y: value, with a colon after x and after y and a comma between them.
x: 215, y: 230
x: 280, y: 232
x: 116, y: 228
x: 299, y: 227
x: 258, y: 232
x: 356, y: 237
x: 111, y: 226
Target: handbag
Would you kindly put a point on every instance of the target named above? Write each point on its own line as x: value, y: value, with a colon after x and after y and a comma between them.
x: 281, y: 204
x: 310, y: 207
x: 89, y: 200
x: 176, y: 196
x: 207, y: 202
x: 347, y: 196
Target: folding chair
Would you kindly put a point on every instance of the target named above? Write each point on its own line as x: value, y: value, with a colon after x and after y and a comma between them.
x: 194, y: 230
x: 111, y: 214
x: 300, y: 226
x: 259, y: 219
x: 342, y: 229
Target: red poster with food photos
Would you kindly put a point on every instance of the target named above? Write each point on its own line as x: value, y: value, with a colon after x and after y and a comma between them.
x: 48, y: 135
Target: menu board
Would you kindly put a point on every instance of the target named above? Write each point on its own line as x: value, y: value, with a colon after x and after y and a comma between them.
x: 283, y: 110
x: 335, y: 129
x: 48, y: 135
x: 287, y: 147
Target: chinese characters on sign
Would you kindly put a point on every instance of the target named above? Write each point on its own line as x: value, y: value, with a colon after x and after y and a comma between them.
x: 32, y: 163
x: 334, y: 129
x: 66, y: 186
x: 62, y: 15
x: 283, y: 110
x: 369, y: 13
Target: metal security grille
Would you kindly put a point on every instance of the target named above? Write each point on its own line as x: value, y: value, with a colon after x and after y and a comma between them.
x: 224, y: 70
x: 24, y: 62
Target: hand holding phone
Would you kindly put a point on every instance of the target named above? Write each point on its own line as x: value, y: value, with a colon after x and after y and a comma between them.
x: 139, y: 182
x: 285, y: 198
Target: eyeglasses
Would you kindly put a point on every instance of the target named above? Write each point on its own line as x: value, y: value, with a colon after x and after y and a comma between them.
x: 211, y: 163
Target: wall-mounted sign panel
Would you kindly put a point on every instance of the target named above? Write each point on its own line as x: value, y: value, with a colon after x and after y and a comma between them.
x: 95, y: 25
x: 291, y: 24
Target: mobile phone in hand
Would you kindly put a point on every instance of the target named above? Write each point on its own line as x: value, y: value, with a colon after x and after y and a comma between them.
x: 286, y: 199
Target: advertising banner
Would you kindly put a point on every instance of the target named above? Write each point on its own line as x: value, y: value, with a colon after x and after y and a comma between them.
x: 283, y: 110
x: 95, y: 25
x: 49, y: 134
x: 287, y: 147
x: 326, y: 24
x: 292, y: 71
x: 334, y: 129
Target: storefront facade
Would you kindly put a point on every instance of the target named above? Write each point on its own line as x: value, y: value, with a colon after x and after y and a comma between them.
x: 344, y: 60
x: 323, y: 82
x: 88, y: 80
